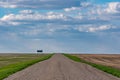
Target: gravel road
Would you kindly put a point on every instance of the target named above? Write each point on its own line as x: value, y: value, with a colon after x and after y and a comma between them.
x: 60, y: 67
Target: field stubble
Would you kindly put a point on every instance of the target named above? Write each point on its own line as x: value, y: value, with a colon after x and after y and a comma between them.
x: 112, y: 60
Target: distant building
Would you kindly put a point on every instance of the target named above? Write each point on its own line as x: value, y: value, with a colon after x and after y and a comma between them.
x: 40, y: 51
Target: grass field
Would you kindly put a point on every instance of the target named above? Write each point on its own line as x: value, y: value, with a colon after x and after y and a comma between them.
x: 6, y: 59
x: 108, y: 69
x: 11, y: 63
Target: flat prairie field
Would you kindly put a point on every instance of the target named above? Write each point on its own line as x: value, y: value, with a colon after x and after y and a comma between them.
x: 112, y: 60
x: 7, y: 59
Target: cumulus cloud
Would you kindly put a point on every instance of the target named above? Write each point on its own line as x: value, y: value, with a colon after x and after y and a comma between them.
x: 113, y: 7
x: 26, y: 12
x: 100, y: 28
x: 94, y: 22
x: 36, y: 16
x: 109, y: 11
x: 86, y: 4
x: 29, y: 17
x: 94, y: 28
x: 71, y: 9
x: 25, y: 18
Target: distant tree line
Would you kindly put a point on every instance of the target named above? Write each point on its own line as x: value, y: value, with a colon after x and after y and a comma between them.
x: 40, y: 51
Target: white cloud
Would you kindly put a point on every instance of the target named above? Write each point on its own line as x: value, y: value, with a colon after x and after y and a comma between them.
x: 7, y: 20
x: 26, y: 12
x: 95, y: 20
x: 94, y: 28
x: 100, y: 28
x: 109, y: 8
x: 109, y: 11
x: 113, y: 7
x: 35, y: 16
x: 71, y: 9
x: 7, y: 4
x: 48, y: 30
x: 25, y: 17
x: 86, y: 4
x: 7, y: 17
x: 82, y: 5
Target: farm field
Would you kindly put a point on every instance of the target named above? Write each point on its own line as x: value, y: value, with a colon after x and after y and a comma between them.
x: 60, y: 67
x: 12, y: 63
x: 7, y: 59
x: 112, y: 60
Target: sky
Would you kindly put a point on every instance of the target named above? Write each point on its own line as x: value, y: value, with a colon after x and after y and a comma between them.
x: 67, y: 26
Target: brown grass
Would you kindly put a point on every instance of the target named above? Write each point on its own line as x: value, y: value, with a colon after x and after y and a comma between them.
x: 112, y: 60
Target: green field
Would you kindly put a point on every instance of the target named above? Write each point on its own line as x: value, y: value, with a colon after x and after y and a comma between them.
x: 110, y: 70
x: 11, y: 63
x: 6, y: 59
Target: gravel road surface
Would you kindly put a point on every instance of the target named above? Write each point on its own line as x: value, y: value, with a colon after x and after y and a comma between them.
x: 60, y: 67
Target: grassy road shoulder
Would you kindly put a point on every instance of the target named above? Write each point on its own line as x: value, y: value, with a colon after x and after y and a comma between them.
x: 12, y: 68
x: 107, y: 69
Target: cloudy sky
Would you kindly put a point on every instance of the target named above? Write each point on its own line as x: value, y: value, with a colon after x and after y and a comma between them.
x: 77, y: 26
